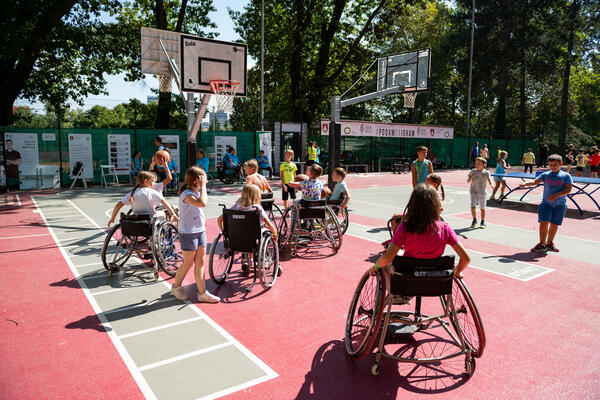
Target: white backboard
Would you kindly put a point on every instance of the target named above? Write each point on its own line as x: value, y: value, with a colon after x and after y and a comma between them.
x: 154, y: 60
x: 203, y: 60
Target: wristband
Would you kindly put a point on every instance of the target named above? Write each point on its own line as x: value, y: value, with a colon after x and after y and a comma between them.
x: 377, y: 266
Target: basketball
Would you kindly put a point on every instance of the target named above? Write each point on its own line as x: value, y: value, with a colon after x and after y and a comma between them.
x: 162, y: 157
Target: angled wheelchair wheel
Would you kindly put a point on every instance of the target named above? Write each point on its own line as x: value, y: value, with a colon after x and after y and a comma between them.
x: 334, y: 228
x: 467, y: 318
x: 285, y: 227
x: 116, y: 249
x: 220, y: 260
x: 344, y: 219
x: 167, y: 251
x: 364, y: 316
x: 210, y: 183
x: 275, y: 214
x: 268, y: 261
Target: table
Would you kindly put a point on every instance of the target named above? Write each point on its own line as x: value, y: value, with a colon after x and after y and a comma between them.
x: 347, y: 166
x: 401, y: 159
x: 579, y: 183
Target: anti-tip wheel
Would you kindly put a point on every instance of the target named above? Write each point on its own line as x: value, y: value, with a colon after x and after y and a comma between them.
x: 376, y: 369
x: 468, y: 367
x: 156, y: 276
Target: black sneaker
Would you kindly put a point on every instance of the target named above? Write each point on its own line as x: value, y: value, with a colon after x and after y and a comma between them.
x: 539, y: 247
x: 551, y: 247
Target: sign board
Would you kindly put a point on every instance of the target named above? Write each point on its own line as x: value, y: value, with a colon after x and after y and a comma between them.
x: 171, y: 142
x: 24, y: 147
x: 291, y: 127
x: 380, y: 129
x: 80, y: 149
x: 49, y: 137
x: 222, y: 143
x: 119, y: 153
x: 277, y: 143
x: 264, y: 139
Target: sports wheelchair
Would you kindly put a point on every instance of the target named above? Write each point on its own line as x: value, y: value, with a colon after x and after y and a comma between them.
x: 242, y: 233
x: 376, y: 294
x: 274, y: 212
x: 310, y: 224
x: 340, y: 213
x: 145, y: 236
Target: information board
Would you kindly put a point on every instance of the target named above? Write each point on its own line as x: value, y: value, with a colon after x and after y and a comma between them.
x: 119, y: 153
x: 171, y: 142
x: 80, y: 149
x: 222, y: 143
x: 24, y: 147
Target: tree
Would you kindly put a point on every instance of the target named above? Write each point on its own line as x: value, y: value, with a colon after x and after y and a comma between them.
x: 58, y: 50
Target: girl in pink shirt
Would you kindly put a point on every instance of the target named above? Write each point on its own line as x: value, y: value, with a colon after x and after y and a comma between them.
x: 422, y: 233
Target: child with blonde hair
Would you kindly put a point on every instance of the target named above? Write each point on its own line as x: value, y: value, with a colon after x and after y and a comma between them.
x: 500, y: 169
x: 192, y: 234
x: 435, y: 181
x: 254, y: 178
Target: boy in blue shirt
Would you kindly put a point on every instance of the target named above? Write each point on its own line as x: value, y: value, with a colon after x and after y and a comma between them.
x: 263, y: 162
x: 552, y: 209
x: 201, y: 160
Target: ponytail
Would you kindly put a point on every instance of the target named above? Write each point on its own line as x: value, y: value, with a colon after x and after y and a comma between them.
x: 139, y: 181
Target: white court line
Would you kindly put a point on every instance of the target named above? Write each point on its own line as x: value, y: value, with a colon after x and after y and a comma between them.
x: 269, y: 373
x: 18, y: 200
x: 113, y: 290
x: 24, y: 236
x: 87, y: 265
x: 184, y: 356
x: 136, y: 374
x: 158, y: 328
x: 127, y: 308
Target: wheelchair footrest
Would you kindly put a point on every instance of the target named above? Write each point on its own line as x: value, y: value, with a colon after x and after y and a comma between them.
x: 397, y: 328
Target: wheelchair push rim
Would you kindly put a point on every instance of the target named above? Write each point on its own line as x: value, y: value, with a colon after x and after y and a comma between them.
x: 468, y: 320
x: 116, y: 249
x: 364, y: 315
x: 220, y: 260
x: 268, y: 261
x: 168, y: 249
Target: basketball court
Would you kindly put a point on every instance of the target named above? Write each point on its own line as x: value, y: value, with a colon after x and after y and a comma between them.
x: 82, y: 333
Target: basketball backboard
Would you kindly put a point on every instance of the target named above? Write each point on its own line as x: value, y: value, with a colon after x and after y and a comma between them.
x: 410, y: 70
x: 154, y: 60
x: 203, y: 60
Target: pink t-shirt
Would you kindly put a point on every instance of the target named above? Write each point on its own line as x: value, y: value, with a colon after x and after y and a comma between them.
x: 425, y: 245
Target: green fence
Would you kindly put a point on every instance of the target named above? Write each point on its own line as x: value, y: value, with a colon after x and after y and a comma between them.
x: 56, y: 152
x: 453, y: 153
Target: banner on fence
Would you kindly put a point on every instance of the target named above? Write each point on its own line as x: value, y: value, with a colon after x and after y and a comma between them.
x: 80, y: 149
x: 22, y: 158
x: 264, y: 139
x: 119, y: 153
x: 171, y: 142
x: 382, y: 129
x: 222, y: 143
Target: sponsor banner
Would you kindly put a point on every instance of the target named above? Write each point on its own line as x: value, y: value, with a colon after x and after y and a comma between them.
x: 80, y: 149
x: 265, y: 143
x: 119, y: 153
x: 380, y: 129
x: 171, y: 142
x: 222, y: 143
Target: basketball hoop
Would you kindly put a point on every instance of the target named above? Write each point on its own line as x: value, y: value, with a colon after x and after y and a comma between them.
x: 224, y: 91
x: 409, y: 99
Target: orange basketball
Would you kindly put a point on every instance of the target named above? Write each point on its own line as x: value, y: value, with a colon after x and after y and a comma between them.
x: 162, y: 157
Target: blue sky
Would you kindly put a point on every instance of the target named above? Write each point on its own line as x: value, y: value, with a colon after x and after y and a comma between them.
x: 120, y: 91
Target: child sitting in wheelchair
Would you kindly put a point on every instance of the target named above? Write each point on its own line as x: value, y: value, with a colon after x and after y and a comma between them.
x: 422, y: 233
x: 312, y: 188
x: 340, y: 192
x: 254, y: 178
x: 143, y: 199
x: 192, y: 234
x: 248, y: 201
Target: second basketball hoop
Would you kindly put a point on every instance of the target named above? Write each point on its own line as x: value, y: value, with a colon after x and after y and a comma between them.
x: 224, y: 91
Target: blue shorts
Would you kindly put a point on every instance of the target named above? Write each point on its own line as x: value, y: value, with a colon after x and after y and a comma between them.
x: 550, y: 213
x: 191, y: 241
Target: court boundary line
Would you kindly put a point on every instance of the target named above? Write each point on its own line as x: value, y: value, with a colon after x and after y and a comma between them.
x: 24, y: 236
x: 269, y: 373
x: 158, y: 328
x: 180, y: 357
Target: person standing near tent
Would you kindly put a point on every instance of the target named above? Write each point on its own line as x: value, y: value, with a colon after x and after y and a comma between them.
x: 313, y: 155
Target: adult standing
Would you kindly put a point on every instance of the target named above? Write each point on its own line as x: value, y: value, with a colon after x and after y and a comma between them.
x: 543, y: 152
x: 485, y: 153
x: 13, y: 160
x: 313, y: 155
x: 474, y: 154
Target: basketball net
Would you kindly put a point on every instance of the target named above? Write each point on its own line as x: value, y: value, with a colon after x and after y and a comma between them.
x: 409, y: 99
x: 164, y: 83
x: 224, y: 91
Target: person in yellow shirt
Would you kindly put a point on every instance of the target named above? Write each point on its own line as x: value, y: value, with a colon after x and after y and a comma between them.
x: 287, y: 171
x: 528, y: 161
x: 313, y: 155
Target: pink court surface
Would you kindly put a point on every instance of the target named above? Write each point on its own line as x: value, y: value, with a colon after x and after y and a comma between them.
x: 69, y: 331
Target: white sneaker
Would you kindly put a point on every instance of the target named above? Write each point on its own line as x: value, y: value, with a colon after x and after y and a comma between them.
x: 179, y: 293
x: 208, y: 297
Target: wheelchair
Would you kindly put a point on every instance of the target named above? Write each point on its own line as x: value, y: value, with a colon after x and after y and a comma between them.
x: 376, y: 294
x: 229, y: 175
x: 310, y: 224
x: 242, y: 233
x: 340, y: 213
x: 145, y: 236
x: 274, y: 212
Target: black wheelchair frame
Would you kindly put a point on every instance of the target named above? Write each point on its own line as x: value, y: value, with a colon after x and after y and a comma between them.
x: 377, y: 293
x: 242, y: 233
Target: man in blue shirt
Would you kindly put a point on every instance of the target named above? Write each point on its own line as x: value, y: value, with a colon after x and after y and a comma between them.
x: 231, y: 161
x: 201, y: 160
x: 263, y: 162
x: 551, y: 211
x: 474, y: 154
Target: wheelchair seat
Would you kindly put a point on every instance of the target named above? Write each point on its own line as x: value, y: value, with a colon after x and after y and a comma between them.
x: 266, y: 201
x: 313, y: 209
x: 422, y: 277
x: 135, y: 225
x: 242, y: 230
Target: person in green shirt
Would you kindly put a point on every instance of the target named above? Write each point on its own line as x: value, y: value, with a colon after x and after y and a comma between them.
x: 528, y: 161
x: 288, y: 174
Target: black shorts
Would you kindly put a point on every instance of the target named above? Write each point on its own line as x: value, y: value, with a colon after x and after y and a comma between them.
x: 290, y: 191
x: 579, y: 169
x: 593, y: 168
x: 310, y: 162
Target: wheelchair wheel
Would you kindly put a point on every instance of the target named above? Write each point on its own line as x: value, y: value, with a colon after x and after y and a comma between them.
x: 275, y: 214
x: 364, y: 316
x: 116, y: 249
x: 467, y: 319
x: 285, y: 227
x: 268, y: 261
x: 210, y: 182
x: 167, y: 250
x: 343, y: 217
x: 334, y: 227
x: 220, y: 260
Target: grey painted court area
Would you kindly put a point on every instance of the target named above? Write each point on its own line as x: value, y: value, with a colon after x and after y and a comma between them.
x: 165, y: 343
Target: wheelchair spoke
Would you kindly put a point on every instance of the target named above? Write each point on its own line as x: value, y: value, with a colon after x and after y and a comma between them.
x: 467, y: 318
x: 220, y: 260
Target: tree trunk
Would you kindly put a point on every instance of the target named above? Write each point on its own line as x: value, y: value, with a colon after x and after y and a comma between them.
x: 163, y: 110
x: 500, y: 125
x: 562, y: 133
x: 522, y: 94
